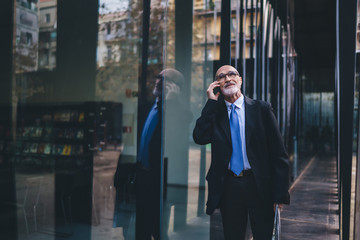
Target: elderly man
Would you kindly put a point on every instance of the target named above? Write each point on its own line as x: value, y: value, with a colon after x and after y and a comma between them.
x: 249, y: 168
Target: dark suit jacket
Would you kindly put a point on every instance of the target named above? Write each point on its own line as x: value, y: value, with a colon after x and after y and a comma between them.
x: 155, y: 142
x: 264, y: 146
x: 177, y: 120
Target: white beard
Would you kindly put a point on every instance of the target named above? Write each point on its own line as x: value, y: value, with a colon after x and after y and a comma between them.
x: 230, y: 91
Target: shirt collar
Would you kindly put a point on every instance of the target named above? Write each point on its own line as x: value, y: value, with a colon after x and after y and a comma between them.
x: 238, y: 103
x: 156, y: 104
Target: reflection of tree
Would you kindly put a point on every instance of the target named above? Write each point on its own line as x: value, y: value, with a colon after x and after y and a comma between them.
x: 112, y: 78
x: 122, y: 70
x: 28, y: 85
x: 211, y: 5
x: 25, y: 58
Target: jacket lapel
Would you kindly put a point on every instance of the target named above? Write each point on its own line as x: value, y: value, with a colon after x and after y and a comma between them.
x: 224, y: 121
x: 249, y: 119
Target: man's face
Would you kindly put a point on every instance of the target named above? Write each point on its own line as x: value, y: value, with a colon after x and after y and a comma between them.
x: 229, y: 79
x: 158, y: 86
x: 171, y: 89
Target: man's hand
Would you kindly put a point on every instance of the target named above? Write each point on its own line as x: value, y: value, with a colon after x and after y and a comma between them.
x: 210, y: 91
x: 172, y: 90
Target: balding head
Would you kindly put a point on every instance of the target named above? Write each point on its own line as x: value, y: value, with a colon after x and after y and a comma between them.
x: 226, y: 69
x: 173, y: 75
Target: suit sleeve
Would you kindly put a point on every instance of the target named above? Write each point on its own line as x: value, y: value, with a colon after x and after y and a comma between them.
x: 279, y: 159
x: 204, y: 124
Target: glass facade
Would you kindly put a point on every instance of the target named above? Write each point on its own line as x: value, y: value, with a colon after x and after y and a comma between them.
x: 98, y: 130
x: 100, y: 100
x: 348, y: 131
x: 355, y: 182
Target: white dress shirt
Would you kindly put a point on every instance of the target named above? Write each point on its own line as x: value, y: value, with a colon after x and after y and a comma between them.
x: 240, y: 110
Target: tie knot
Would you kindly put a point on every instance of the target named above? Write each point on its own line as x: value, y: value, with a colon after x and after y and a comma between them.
x: 233, y: 107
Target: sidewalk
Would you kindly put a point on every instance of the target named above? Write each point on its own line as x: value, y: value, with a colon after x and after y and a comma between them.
x: 313, y: 212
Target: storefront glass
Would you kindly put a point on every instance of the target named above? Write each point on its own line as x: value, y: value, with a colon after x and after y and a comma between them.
x: 188, y: 72
x: 43, y: 136
x: 97, y: 136
x: 355, y: 182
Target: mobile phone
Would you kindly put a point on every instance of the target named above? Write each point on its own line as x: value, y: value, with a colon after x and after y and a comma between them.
x: 216, y: 90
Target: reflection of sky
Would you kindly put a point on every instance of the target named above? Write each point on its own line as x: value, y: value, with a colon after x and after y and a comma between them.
x: 107, y: 6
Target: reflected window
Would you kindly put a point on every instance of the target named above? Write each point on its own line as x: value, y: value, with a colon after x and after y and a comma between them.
x: 29, y: 40
x: 109, y: 53
x: 47, y: 18
x: 35, y: 22
x: 108, y: 28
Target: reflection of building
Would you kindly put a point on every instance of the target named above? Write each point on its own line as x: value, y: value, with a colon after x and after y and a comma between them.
x: 117, y: 59
x: 210, y: 18
x: 112, y: 28
x: 26, y: 36
x: 47, y: 33
x: 35, y: 34
x: 77, y: 80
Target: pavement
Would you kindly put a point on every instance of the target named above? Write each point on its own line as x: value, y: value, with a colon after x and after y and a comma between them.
x: 314, y: 209
x: 312, y: 214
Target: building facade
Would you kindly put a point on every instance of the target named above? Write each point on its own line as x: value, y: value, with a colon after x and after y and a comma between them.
x: 79, y: 80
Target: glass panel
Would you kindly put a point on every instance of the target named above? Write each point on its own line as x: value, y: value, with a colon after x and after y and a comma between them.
x: 355, y: 182
x: 355, y: 191
x: 185, y: 162
x: 34, y: 131
x: 74, y: 130
x: 117, y: 75
x: 102, y: 146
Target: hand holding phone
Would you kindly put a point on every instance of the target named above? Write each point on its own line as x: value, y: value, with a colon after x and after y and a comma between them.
x: 213, y: 91
x: 216, y: 90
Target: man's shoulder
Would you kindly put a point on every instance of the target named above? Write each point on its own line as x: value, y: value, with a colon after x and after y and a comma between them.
x: 256, y: 102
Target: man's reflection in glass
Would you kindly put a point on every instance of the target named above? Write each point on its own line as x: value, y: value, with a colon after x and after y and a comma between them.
x: 148, y: 166
x: 149, y: 154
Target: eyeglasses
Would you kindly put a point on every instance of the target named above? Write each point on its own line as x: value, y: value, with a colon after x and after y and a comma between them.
x: 221, y: 77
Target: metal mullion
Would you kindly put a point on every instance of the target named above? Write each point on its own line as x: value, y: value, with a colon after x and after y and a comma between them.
x: 345, y: 65
x: 145, y: 50
x: 237, y: 34
x: 241, y: 39
x: 252, y: 49
x: 244, y: 43
x: 225, y: 35
x: 273, y: 97
x: 256, y: 57
x: 261, y: 39
x: 279, y: 71
x: 263, y: 47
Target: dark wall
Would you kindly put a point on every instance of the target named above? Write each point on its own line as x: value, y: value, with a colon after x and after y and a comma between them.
x: 76, y: 50
x: 8, y: 222
x: 315, y: 42
x: 6, y: 25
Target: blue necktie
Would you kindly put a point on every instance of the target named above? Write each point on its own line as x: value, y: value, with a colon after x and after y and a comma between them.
x: 147, y: 133
x: 236, y: 161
